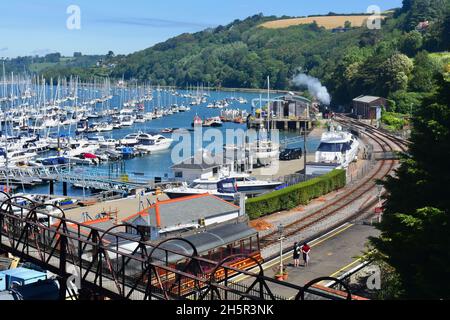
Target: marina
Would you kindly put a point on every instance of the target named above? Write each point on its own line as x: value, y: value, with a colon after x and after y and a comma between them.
x: 98, y: 126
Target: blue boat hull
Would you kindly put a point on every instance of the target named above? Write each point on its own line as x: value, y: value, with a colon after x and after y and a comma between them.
x: 258, y: 188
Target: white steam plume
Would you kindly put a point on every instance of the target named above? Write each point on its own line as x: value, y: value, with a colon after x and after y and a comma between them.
x: 314, y: 87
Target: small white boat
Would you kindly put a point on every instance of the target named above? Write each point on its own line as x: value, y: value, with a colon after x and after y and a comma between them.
x: 79, y: 147
x: 102, y: 142
x: 140, y: 118
x: 108, y: 144
x: 224, y: 189
x: 14, y: 157
x: 149, y: 143
x: 126, y: 121
x: 129, y: 140
x: 104, y: 127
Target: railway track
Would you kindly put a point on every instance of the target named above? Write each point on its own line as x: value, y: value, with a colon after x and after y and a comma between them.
x: 401, y: 143
x: 387, y: 143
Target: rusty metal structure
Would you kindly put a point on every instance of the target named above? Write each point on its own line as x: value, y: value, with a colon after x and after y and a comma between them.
x: 104, y: 268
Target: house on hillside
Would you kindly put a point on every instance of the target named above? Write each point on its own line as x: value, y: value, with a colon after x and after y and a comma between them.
x: 369, y: 107
x: 340, y: 30
x: 423, y: 26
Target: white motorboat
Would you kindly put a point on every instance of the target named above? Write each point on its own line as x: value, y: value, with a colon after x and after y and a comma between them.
x: 262, y: 152
x: 140, y: 118
x: 150, y: 143
x: 149, y: 116
x: 15, y: 156
x: 80, y: 147
x: 250, y: 185
x: 337, y: 147
x: 130, y: 140
x: 242, y: 101
x: 183, y: 108
x: 244, y: 183
x: 104, y: 127
x: 126, y: 121
x: 213, y: 122
x: 82, y: 126
x: 102, y: 142
x: 224, y: 189
x: 116, y: 123
x: 108, y: 144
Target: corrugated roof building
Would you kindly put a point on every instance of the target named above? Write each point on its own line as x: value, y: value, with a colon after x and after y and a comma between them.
x: 183, y: 213
x: 202, y: 165
x: 368, y: 107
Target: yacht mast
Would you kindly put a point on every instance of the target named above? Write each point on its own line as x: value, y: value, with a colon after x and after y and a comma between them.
x: 268, y: 103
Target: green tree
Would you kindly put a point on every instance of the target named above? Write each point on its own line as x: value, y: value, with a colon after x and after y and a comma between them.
x: 53, y: 57
x: 438, y: 36
x: 396, y: 71
x: 423, y: 74
x: 410, y: 43
x: 405, y: 102
x: 415, y: 231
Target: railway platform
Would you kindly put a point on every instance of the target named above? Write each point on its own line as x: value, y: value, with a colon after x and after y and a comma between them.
x: 332, y: 255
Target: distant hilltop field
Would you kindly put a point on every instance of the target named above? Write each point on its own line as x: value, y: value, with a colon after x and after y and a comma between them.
x: 328, y: 22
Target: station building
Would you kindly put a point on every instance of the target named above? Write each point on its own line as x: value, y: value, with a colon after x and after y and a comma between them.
x: 369, y: 107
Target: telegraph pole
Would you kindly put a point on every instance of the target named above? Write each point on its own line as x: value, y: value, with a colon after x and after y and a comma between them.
x: 304, y: 153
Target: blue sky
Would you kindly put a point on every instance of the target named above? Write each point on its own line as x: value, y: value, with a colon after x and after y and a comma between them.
x: 29, y: 27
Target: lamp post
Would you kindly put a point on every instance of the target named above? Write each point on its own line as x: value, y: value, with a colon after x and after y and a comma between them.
x: 280, y: 231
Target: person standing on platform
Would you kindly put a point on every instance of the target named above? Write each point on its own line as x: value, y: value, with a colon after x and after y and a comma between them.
x: 306, y: 250
x: 296, y: 254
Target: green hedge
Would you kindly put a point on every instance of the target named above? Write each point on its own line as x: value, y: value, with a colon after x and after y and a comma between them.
x: 293, y: 196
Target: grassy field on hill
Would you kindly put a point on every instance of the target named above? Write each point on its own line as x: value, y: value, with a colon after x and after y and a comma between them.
x: 328, y: 22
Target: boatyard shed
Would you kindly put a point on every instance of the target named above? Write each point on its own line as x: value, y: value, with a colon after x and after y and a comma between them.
x: 287, y: 112
x: 183, y: 214
x: 201, y: 166
x: 290, y: 107
x: 368, y: 107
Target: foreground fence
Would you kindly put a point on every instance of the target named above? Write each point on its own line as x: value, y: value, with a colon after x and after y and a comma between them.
x: 113, y: 264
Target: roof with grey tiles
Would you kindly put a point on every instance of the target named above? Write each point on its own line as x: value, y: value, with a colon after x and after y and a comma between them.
x: 366, y: 99
x: 186, y: 210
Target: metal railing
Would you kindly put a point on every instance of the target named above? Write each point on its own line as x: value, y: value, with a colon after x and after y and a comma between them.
x: 139, y: 271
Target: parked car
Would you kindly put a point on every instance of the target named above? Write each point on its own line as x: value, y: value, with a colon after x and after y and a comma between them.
x: 291, y: 154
